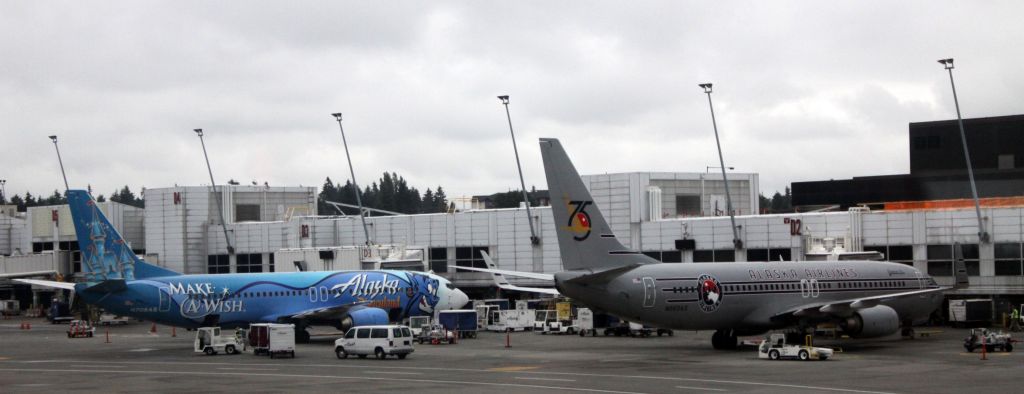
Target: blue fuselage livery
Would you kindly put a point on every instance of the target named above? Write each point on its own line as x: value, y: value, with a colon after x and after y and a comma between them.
x: 231, y: 300
x: 120, y: 282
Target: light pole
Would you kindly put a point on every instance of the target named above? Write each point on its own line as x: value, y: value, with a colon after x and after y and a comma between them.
x: 982, y: 234
x: 54, y: 139
x: 352, y: 171
x: 529, y: 216
x: 736, y: 242
x: 220, y: 202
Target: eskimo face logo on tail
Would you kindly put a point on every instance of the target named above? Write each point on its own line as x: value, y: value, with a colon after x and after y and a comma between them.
x: 579, y: 219
x: 710, y: 293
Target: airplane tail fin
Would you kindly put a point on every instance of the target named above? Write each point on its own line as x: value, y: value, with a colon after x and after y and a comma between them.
x: 105, y: 254
x: 585, y: 240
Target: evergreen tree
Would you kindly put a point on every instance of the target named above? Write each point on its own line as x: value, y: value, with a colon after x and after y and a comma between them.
x: 17, y: 200
x: 101, y: 198
x: 30, y: 200
x: 427, y: 203
x: 439, y: 200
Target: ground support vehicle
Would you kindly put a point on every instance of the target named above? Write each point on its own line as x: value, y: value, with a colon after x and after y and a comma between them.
x: 59, y: 313
x: 108, y: 319
x: 419, y: 325
x: 380, y: 341
x: 559, y: 327
x: 80, y: 329
x: 436, y: 335
x: 625, y: 328
x: 585, y: 321
x: 970, y: 313
x: 210, y: 341
x: 991, y: 340
x: 775, y: 347
x: 460, y: 321
x: 542, y: 318
x: 10, y: 307
x: 272, y: 339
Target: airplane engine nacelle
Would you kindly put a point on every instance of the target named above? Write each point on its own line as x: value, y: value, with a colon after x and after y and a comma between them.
x: 364, y: 317
x: 877, y: 321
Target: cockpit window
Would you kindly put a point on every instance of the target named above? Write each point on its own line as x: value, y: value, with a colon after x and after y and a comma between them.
x: 450, y: 286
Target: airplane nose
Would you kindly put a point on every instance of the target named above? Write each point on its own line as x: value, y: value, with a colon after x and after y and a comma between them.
x: 457, y: 299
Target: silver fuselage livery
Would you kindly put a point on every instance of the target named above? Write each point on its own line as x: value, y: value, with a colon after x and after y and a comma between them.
x: 750, y: 296
x: 863, y: 298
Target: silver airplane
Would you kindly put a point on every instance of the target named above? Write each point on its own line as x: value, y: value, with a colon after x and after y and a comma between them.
x: 864, y: 299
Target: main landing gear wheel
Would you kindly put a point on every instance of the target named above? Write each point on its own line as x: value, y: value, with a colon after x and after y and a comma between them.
x: 723, y: 340
x: 301, y: 336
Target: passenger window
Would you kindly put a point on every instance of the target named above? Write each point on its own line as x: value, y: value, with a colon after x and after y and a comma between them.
x: 379, y: 333
x: 363, y: 333
x: 396, y: 332
x: 406, y: 333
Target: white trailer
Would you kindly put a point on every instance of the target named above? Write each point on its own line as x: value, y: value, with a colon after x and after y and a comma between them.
x: 510, y: 320
x: 210, y: 341
x: 272, y: 338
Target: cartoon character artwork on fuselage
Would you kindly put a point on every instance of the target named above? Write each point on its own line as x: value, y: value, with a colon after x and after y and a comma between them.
x: 121, y: 283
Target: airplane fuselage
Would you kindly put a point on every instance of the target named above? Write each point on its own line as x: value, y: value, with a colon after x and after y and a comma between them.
x: 233, y: 300
x: 703, y: 296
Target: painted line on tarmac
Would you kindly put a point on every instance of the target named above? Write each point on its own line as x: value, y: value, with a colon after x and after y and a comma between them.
x: 1003, y: 354
x: 699, y: 388
x: 282, y: 375
x: 576, y: 374
x: 395, y: 373
x: 244, y: 369
x: 550, y: 379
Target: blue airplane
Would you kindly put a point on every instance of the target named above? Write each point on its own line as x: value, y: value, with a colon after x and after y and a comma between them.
x: 121, y: 283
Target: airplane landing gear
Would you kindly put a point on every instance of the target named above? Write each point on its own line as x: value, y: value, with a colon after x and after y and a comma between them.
x: 301, y: 335
x: 724, y: 340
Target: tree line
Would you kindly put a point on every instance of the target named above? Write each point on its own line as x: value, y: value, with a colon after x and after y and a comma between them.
x: 124, y: 196
x: 390, y: 193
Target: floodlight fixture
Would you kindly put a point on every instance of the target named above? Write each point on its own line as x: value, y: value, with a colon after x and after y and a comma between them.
x: 948, y: 63
x: 199, y: 132
x: 706, y: 87
x: 504, y: 99
x: 337, y: 116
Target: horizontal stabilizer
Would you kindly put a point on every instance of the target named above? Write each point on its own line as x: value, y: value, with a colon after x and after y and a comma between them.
x: 48, y: 283
x: 108, y: 286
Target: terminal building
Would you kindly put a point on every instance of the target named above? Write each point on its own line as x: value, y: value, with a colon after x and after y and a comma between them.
x: 673, y: 217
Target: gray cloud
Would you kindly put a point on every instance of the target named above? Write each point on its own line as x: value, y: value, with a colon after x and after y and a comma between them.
x: 803, y: 90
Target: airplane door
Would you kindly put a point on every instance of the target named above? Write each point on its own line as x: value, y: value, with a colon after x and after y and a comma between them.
x: 649, y: 293
x: 814, y: 288
x: 165, y: 299
x: 804, y: 289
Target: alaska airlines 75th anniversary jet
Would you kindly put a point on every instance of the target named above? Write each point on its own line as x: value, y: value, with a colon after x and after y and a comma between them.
x: 121, y: 283
x: 864, y: 298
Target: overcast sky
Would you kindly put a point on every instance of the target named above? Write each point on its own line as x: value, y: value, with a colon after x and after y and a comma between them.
x: 803, y: 91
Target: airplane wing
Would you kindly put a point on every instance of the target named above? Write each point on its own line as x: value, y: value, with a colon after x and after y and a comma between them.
x: 502, y: 283
x: 843, y: 307
x: 511, y: 273
x: 327, y: 312
x: 48, y: 283
x: 27, y: 274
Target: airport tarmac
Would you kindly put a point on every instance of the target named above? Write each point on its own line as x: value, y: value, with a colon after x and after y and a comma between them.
x: 43, y: 359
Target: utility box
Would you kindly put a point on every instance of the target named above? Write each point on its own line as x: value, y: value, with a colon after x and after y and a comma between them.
x: 970, y: 312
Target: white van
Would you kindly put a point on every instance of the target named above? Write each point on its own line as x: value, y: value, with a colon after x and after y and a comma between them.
x: 380, y: 341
